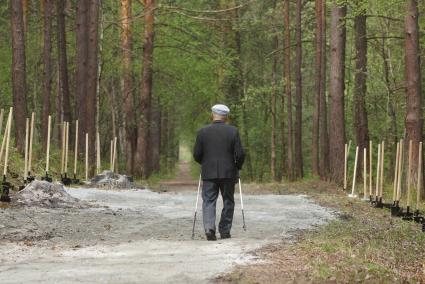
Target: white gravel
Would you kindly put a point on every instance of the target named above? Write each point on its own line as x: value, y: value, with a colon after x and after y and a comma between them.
x: 140, y: 237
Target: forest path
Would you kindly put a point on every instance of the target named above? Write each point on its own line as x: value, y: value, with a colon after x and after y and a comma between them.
x: 134, y: 236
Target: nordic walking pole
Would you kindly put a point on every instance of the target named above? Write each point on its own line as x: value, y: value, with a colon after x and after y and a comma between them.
x: 196, y: 208
x: 353, y: 195
x: 243, y: 214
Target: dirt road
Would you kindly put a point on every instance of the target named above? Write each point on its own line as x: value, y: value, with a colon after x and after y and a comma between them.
x: 139, y: 236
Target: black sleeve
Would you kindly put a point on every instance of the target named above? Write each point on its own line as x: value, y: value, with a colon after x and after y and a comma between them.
x: 239, y: 152
x: 197, y: 151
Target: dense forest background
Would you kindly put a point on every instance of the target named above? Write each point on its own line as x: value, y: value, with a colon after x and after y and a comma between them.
x: 301, y: 77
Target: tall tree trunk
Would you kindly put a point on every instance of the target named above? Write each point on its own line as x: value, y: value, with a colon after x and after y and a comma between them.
x: 141, y: 157
x: 287, y: 77
x: 336, y: 92
x: 273, y: 106
x: 155, y: 137
x: 19, y: 86
x: 93, y: 68
x: 323, y: 112
x: 360, y: 113
x: 87, y: 71
x: 63, y: 62
x: 82, y: 70
x: 127, y: 92
x: 414, y: 119
x: 25, y: 15
x: 318, y: 83
x: 47, y: 61
x: 299, y: 173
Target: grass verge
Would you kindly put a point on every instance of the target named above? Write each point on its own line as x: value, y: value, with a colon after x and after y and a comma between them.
x: 363, y: 244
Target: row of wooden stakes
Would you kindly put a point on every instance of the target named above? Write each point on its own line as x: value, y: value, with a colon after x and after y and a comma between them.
x: 29, y: 136
x: 376, y: 192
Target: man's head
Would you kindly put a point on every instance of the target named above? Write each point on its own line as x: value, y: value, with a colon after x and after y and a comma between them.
x: 220, y: 112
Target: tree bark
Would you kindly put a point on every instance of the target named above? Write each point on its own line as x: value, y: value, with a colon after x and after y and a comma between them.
x: 87, y: 72
x: 414, y: 119
x: 19, y: 87
x: 336, y: 92
x: 273, y: 107
x: 127, y: 92
x: 360, y: 113
x: 63, y: 62
x: 323, y: 116
x: 155, y: 137
x: 287, y: 77
x: 318, y: 84
x: 82, y: 70
x: 141, y: 157
x: 299, y: 173
x: 47, y: 74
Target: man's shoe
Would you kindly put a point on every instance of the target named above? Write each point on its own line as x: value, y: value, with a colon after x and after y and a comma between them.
x: 211, y: 236
x: 225, y: 236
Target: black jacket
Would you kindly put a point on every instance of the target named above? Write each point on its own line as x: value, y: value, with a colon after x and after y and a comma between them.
x: 219, y: 150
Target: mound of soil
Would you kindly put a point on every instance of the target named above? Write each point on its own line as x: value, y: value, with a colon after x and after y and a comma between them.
x: 46, y: 194
x: 109, y: 178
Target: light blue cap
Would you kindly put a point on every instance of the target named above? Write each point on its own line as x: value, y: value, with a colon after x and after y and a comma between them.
x: 220, y: 109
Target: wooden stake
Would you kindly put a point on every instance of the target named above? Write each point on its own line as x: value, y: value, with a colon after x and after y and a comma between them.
x: 97, y: 153
x: 66, y: 146
x: 30, y: 146
x: 112, y: 155
x: 6, y: 156
x: 418, y: 190
x: 381, y: 181
x: 76, y: 148
x: 345, y: 166
x: 114, y: 160
x: 1, y: 119
x: 355, y: 172
x: 3, y: 144
x: 400, y: 169
x: 48, y: 143
x: 370, y: 168
x: 396, y: 172
x: 63, y: 147
x: 409, y: 174
x: 27, y: 126
x: 87, y: 156
x: 364, y: 173
x: 378, y: 170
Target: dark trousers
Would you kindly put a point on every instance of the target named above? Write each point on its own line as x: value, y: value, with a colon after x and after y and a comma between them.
x: 210, y: 190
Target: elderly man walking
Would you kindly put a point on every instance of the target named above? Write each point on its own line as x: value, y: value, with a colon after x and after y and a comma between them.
x: 219, y: 150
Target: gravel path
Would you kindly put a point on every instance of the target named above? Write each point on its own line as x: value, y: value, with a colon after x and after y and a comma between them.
x: 139, y: 236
